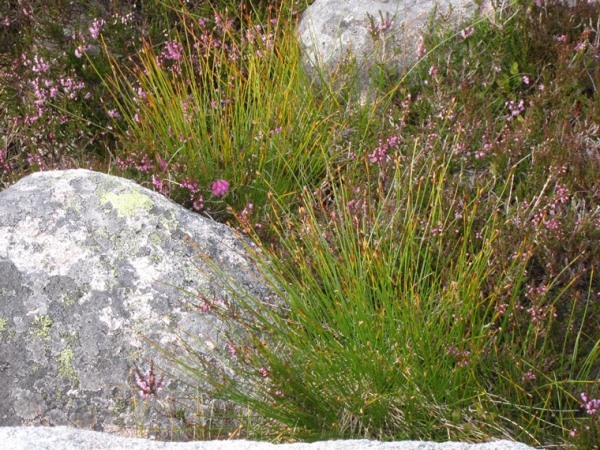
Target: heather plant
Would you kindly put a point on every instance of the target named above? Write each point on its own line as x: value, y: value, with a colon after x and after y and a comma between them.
x: 524, y: 102
x: 53, y: 107
x: 51, y: 100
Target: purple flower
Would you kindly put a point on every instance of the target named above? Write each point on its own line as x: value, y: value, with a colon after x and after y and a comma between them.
x: 95, y: 28
x: 148, y: 383
x: 173, y: 51
x: 219, y: 188
x: 421, y: 48
x: 467, y: 32
x: 590, y: 405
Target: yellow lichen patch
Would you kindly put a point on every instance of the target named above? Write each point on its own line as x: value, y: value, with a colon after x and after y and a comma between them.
x: 41, y: 327
x: 3, y: 322
x: 127, y: 203
x: 65, y: 364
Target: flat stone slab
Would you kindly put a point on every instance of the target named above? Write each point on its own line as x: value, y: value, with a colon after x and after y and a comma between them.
x: 44, y: 438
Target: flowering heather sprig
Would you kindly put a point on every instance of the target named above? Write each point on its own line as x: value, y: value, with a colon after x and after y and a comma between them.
x: 134, y: 161
x: 528, y: 376
x: 421, y: 50
x: 190, y: 185
x: 160, y: 186
x: 148, y: 383
x: 590, y: 405
x: 39, y: 65
x: 232, y: 349
x: 380, y: 154
x: 4, y: 164
x: 198, y: 203
x: 515, y: 108
x: 244, y: 216
x: 96, y: 27
x: 467, y: 32
x: 171, y: 56
x: 462, y: 357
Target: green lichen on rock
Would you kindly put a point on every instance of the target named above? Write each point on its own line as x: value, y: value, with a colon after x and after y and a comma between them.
x: 69, y: 299
x: 65, y: 364
x: 41, y: 327
x: 3, y: 322
x: 126, y: 203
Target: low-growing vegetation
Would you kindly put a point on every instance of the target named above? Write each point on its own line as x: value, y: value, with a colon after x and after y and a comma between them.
x: 437, y: 250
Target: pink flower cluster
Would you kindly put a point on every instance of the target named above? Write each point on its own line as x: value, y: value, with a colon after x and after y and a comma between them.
x: 590, y: 405
x: 148, y: 383
x: 219, y: 188
x: 380, y: 154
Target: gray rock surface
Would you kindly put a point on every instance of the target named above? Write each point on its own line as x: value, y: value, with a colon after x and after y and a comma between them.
x: 43, y: 438
x: 93, y: 268
x: 374, y: 32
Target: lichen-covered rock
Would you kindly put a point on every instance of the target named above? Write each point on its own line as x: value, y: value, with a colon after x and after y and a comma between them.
x: 97, y: 276
x: 374, y: 32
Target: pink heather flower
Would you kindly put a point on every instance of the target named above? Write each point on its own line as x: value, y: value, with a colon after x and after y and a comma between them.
x: 39, y: 65
x: 264, y: 372
x: 433, y: 71
x: 80, y: 50
x: 232, y: 350
x: 219, y: 188
x: 174, y: 51
x: 198, y: 203
x: 157, y: 183
x: 96, y: 27
x: 591, y: 405
x: 528, y: 376
x: 526, y: 79
x: 190, y: 185
x: 113, y: 114
x: 148, y: 383
x: 465, y: 33
x: 421, y: 48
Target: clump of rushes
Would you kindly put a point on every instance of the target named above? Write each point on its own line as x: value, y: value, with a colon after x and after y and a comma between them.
x: 401, y: 320
x: 218, y: 102
x: 445, y: 284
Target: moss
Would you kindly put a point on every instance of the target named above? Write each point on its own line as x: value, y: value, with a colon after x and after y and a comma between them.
x: 41, y: 327
x: 126, y: 204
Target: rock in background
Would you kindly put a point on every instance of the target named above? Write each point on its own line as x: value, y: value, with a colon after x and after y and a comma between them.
x: 374, y: 32
x: 91, y: 267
